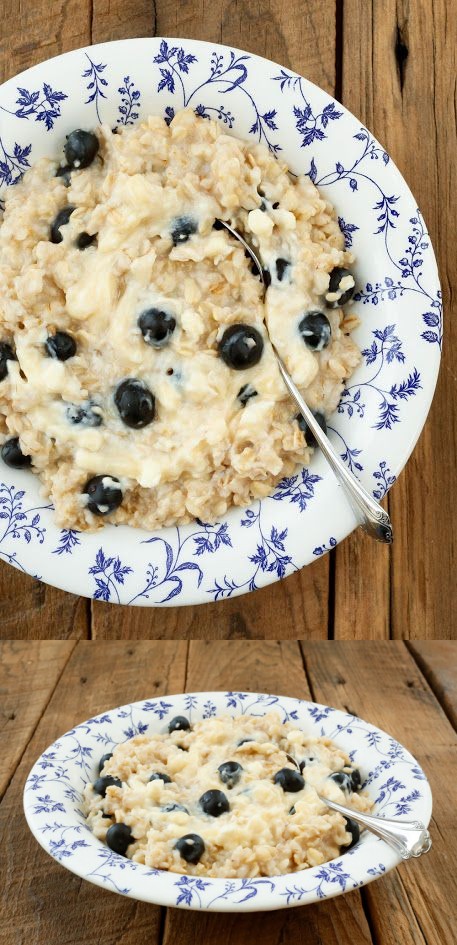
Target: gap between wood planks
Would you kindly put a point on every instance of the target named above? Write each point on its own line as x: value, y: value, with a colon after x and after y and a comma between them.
x: 44, y: 702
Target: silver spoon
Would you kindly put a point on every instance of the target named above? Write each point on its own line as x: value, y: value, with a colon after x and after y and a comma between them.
x: 369, y: 514
x: 408, y: 838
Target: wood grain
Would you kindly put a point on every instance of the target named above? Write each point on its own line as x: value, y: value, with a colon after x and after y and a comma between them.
x: 381, y: 682
x: 409, y: 104
x: 27, y: 681
x: 336, y: 922
x: 39, y: 901
x: 437, y: 661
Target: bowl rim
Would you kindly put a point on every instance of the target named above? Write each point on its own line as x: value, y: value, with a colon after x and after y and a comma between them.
x: 372, y: 850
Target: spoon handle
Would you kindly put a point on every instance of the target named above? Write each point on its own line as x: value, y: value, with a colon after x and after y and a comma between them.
x: 408, y: 838
x: 370, y: 515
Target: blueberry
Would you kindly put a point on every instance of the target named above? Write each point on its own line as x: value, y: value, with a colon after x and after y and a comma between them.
x: 356, y: 779
x: 179, y: 724
x: 83, y: 240
x: 218, y: 225
x: 84, y: 414
x: 61, y: 219
x: 60, y: 346
x: 336, y: 277
x: 182, y: 229
x: 191, y: 847
x: 169, y: 808
x: 245, y: 393
x: 101, y: 784
x: 81, y: 148
x: 241, y: 347
x: 230, y: 773
x: 315, y: 330
x: 12, y: 454
x: 6, y: 354
x: 343, y: 780
x: 119, y: 837
x: 64, y: 171
x: 160, y: 776
x: 107, y: 816
x: 275, y: 205
x: 290, y: 780
x: 354, y: 830
x: 135, y: 403
x: 156, y: 327
x: 214, y: 803
x: 103, y: 761
x: 266, y: 277
x: 281, y: 266
x: 309, y: 435
x: 104, y: 494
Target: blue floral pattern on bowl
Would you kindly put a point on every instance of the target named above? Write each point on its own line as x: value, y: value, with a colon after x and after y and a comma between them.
x: 385, y: 404
x: 54, y: 790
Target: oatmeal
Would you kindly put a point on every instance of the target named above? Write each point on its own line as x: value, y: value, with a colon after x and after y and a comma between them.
x: 226, y: 797
x: 137, y: 379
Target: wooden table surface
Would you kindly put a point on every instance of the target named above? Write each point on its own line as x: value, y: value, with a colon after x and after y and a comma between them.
x: 408, y: 689
x: 393, y: 63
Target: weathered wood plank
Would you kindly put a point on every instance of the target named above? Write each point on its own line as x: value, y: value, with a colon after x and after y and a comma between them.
x: 268, y: 666
x: 32, y: 32
x: 437, y: 660
x: 32, y: 610
x: 297, y: 605
x: 361, y: 589
x: 121, y: 19
x: 336, y: 922
x: 406, y: 103
x: 380, y: 682
x: 301, y: 37
x: 39, y: 900
x: 28, y: 676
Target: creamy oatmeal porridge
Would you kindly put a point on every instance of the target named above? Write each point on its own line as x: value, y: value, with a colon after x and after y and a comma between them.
x: 136, y: 376
x: 226, y: 797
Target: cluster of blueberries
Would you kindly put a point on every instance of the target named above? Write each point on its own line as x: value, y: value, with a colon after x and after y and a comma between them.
x: 214, y: 803
x: 240, y: 347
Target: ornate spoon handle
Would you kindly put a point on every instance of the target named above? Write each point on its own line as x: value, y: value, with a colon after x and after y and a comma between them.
x: 370, y: 515
x: 408, y: 838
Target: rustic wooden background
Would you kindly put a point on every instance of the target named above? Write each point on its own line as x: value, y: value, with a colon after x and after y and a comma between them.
x: 393, y: 63
x: 408, y: 689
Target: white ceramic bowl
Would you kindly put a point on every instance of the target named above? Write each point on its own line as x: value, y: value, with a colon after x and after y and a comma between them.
x: 386, y: 403
x: 53, y: 795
